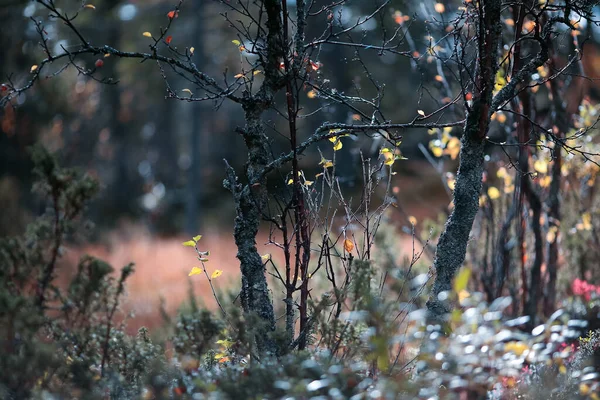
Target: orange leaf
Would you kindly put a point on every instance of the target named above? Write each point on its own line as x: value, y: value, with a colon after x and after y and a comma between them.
x: 172, y: 14
x: 348, y: 245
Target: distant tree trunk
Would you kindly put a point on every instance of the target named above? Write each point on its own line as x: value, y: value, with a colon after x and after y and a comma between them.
x: 194, y: 176
x: 452, y: 246
x: 122, y: 185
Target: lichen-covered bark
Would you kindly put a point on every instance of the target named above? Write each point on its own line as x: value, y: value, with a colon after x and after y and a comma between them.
x: 251, y: 201
x: 452, y: 246
x: 251, y: 197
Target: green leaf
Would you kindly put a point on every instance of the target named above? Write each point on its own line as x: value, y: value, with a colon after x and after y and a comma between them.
x: 189, y: 243
x: 196, y: 238
x: 462, y: 279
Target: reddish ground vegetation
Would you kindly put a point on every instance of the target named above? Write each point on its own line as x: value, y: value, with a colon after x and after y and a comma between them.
x: 162, y: 267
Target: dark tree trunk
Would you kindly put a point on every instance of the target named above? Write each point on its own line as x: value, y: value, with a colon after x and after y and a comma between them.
x: 251, y: 202
x: 452, y: 246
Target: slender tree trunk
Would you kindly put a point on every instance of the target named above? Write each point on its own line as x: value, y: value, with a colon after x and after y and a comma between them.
x: 251, y: 202
x: 452, y: 246
x: 251, y: 197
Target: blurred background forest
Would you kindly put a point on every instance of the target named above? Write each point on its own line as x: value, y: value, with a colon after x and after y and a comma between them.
x: 160, y: 161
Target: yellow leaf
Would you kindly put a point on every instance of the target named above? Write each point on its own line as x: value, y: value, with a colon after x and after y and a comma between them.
x: 197, y: 237
x: 481, y: 201
x: 106, y: 55
x: 540, y: 166
x: 189, y: 243
x: 256, y: 72
x: 187, y: 91
x: 515, y: 347
x: 216, y: 274
x: 226, y: 343
x: 463, y: 295
x: 219, y: 356
x: 584, y: 389
x: 412, y: 220
x: 238, y: 76
x: 312, y: 94
x: 308, y: 183
x: 290, y: 181
x: 33, y: 68
x: 461, y: 280
x: 437, y: 151
x: 453, y: 147
x: 500, y: 80
x: 501, y: 173
x: 562, y: 369
x: 389, y: 158
x: 236, y: 42
x: 451, y: 183
x: 385, y: 150
x: 348, y: 245
x: 266, y: 257
x: 337, y: 145
x: 493, y: 192
x: 326, y: 163
x: 93, y: 7
x: 551, y: 235
x: 195, y: 271
x: 586, y: 219
x: 191, y: 50
x: 545, y: 181
x: 421, y: 113
x: 147, y: 34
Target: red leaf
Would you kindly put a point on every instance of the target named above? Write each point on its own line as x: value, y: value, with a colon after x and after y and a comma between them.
x: 469, y: 96
x: 168, y: 39
x: 4, y: 87
x: 99, y: 63
x: 172, y: 14
x: 179, y: 391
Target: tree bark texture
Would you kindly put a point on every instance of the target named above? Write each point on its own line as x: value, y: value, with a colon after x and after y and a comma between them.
x: 452, y: 246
